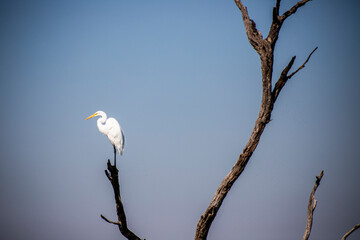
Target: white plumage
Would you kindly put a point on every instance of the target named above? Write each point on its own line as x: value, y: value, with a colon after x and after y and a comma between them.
x: 111, y: 128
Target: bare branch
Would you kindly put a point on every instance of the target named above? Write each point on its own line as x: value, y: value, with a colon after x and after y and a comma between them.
x: 277, y: 20
x: 293, y: 9
x: 121, y: 223
x: 108, y: 175
x: 350, y: 231
x: 265, y: 48
x: 275, y: 25
x: 303, y: 65
x: 276, y: 10
x: 102, y: 216
x: 254, y: 36
x: 209, y: 215
x: 284, y: 75
x: 282, y: 79
x: 311, y: 207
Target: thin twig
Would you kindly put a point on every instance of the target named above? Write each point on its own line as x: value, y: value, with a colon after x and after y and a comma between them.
x: 103, y: 217
x: 108, y: 175
x: 350, y: 231
x: 293, y: 9
x: 303, y: 65
x: 284, y: 75
x: 311, y: 207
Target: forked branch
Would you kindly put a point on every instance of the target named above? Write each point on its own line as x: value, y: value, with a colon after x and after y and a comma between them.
x: 265, y: 48
x: 112, y: 175
x: 284, y: 75
x: 311, y: 207
x: 278, y: 20
x: 350, y: 231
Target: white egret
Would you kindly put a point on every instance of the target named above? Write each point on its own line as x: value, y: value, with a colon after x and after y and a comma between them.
x: 111, y: 128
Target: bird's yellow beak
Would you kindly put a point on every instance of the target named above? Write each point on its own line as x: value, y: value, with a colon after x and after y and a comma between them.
x: 91, y: 116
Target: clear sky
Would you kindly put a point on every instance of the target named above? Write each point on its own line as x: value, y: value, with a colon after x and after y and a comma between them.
x: 185, y: 85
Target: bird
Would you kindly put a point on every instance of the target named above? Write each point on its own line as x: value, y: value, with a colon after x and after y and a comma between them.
x: 110, y: 127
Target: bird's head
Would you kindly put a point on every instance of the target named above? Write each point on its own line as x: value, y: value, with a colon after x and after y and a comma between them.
x: 98, y: 113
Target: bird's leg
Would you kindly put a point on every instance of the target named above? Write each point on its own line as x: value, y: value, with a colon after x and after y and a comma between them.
x: 114, y: 155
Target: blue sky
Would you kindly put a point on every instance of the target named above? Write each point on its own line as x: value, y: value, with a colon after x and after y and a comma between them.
x: 185, y: 85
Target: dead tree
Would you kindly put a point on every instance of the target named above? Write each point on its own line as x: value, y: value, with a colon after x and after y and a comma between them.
x: 311, y: 207
x: 113, y: 176
x: 265, y: 48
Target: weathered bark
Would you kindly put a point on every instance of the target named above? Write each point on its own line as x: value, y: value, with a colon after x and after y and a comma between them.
x: 284, y: 76
x: 265, y: 49
x: 311, y: 207
x: 350, y: 231
x: 112, y: 175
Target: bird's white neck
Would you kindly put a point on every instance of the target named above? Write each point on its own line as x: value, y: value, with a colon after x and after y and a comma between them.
x: 101, y: 123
